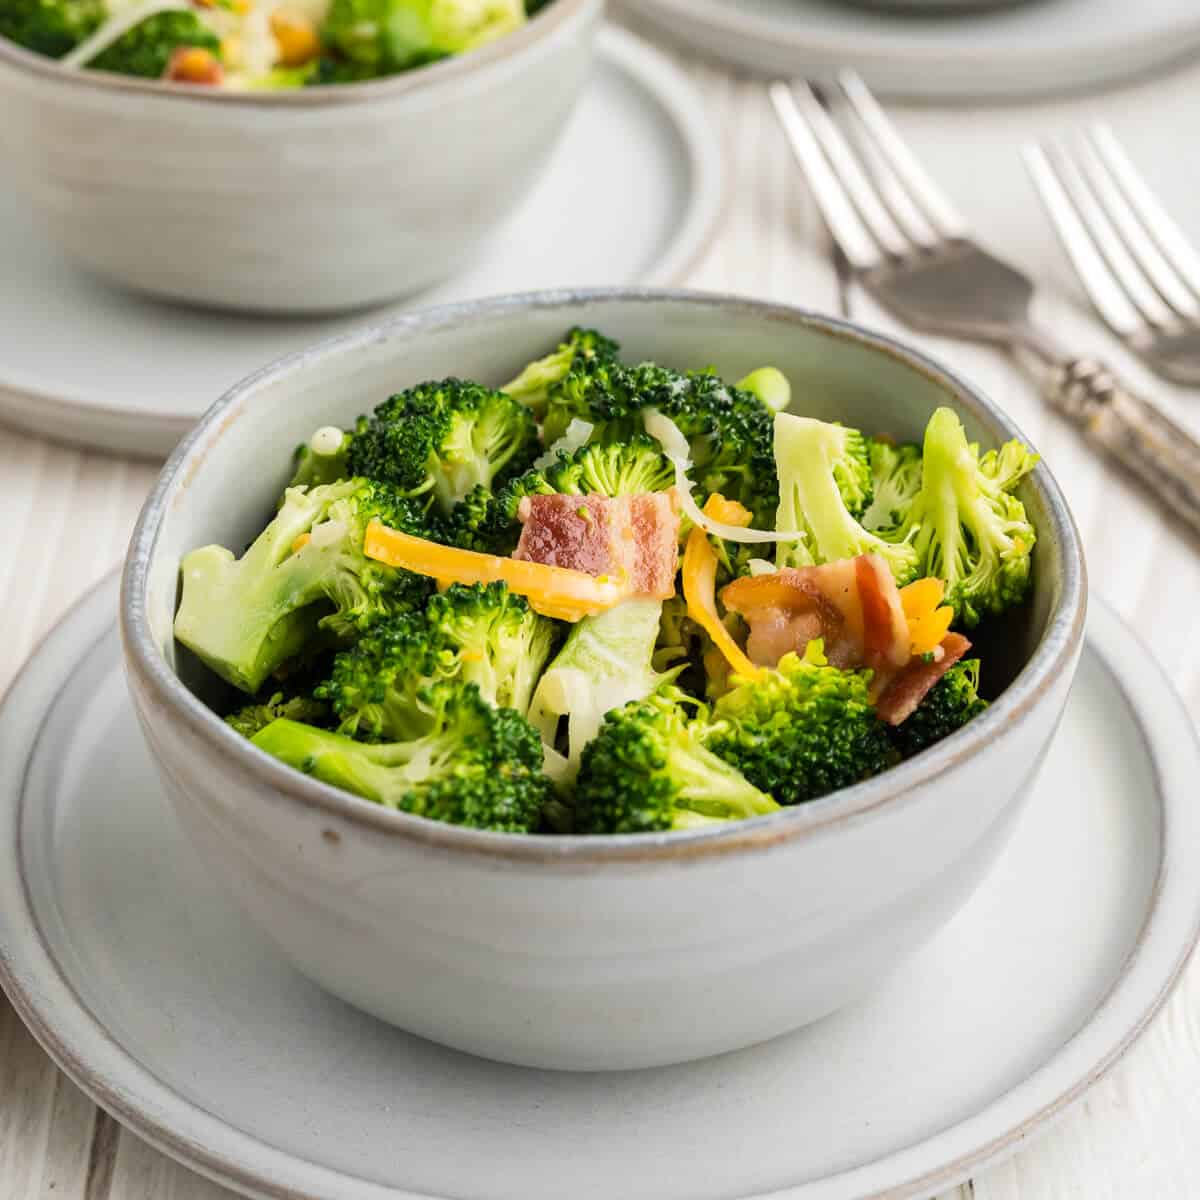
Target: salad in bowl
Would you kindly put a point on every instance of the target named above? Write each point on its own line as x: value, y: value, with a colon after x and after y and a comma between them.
x: 612, y: 597
x: 258, y: 45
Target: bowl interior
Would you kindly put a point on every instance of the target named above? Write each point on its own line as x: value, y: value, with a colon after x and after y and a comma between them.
x: 223, y: 482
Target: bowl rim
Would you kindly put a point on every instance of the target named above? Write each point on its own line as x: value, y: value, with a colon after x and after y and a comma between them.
x: 1054, y: 654
x: 541, y: 26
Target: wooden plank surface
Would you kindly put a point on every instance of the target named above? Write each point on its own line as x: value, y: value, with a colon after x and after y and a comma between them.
x: 68, y: 515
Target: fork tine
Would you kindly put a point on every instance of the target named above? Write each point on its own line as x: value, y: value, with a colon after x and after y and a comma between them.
x: 1110, y: 301
x: 891, y: 188
x: 1138, y: 241
x: 1175, y: 247
x: 935, y: 206
x: 1108, y: 241
x: 847, y: 168
x: 843, y: 222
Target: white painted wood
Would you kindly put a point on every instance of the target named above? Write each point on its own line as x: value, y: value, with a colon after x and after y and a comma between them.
x: 67, y: 516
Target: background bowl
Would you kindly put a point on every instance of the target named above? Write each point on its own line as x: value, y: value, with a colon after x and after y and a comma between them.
x: 316, y: 200
x: 604, y: 952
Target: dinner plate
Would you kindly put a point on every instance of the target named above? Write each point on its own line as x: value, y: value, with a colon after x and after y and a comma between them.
x: 134, y: 970
x: 968, y: 51
x: 632, y: 194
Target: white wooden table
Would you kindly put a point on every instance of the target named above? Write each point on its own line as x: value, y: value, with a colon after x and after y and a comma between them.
x: 67, y: 515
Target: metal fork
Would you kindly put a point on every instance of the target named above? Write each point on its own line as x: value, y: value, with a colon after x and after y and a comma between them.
x: 909, y: 247
x: 1135, y: 264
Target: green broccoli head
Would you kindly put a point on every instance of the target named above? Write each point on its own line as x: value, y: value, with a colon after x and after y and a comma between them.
x: 324, y: 458
x: 386, y: 36
x: 146, y: 49
x: 473, y: 764
x: 255, y: 717
x: 305, y: 573
x: 617, y: 469
x: 499, y: 642
x: 951, y: 703
x: 479, y: 522
x: 50, y: 27
x: 443, y: 439
x: 896, y: 475
x: 649, y: 770
x: 802, y: 730
x: 967, y: 528
x: 820, y: 465
x: 580, y: 348
x: 483, y: 635
x: 375, y: 686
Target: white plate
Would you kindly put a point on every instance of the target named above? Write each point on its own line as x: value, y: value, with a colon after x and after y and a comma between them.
x: 138, y: 976
x: 1037, y: 47
x: 631, y: 195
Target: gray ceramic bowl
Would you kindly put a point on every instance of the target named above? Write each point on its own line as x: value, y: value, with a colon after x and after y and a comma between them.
x: 316, y: 200
x: 579, y: 952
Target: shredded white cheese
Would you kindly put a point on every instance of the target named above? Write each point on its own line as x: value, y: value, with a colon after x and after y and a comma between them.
x: 676, y: 448
x: 576, y: 435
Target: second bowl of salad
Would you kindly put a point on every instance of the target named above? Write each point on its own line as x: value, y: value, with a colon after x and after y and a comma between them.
x: 602, y: 680
x: 291, y: 156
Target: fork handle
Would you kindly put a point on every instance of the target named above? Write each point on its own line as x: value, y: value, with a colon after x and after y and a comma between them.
x: 1134, y: 432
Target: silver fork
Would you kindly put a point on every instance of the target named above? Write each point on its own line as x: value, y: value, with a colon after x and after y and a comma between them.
x: 909, y: 247
x: 1134, y: 262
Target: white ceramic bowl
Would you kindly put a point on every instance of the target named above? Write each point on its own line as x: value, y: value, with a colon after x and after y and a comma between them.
x: 576, y: 952
x: 316, y: 200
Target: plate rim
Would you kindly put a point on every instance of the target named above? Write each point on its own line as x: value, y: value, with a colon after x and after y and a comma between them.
x: 83, y: 1049
x: 686, y: 22
x: 135, y: 432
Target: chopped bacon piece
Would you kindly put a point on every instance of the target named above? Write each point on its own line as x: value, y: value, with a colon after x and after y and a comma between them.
x: 633, y: 540
x: 911, y: 684
x: 853, y: 604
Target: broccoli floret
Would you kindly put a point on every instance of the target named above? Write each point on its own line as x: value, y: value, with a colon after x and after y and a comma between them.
x: 324, y: 458
x: 306, y: 572
x: 255, y: 717
x: 375, y: 686
x: 729, y: 431
x: 605, y: 663
x: 386, y: 36
x: 820, y: 467
x: 802, y: 730
x: 951, y: 703
x: 896, y: 473
x: 967, y: 529
x: 535, y: 383
x: 50, y: 27
x: 500, y: 643
x: 483, y: 635
x: 649, y: 770
x: 443, y: 439
x: 146, y: 49
x: 487, y: 521
x: 617, y: 469
x: 770, y: 385
x: 474, y: 765
x: 477, y: 522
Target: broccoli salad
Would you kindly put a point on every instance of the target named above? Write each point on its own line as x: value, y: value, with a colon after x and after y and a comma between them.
x: 611, y: 598
x: 258, y: 45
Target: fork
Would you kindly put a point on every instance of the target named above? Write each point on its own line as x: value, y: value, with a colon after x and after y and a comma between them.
x: 909, y: 247
x: 1138, y: 269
